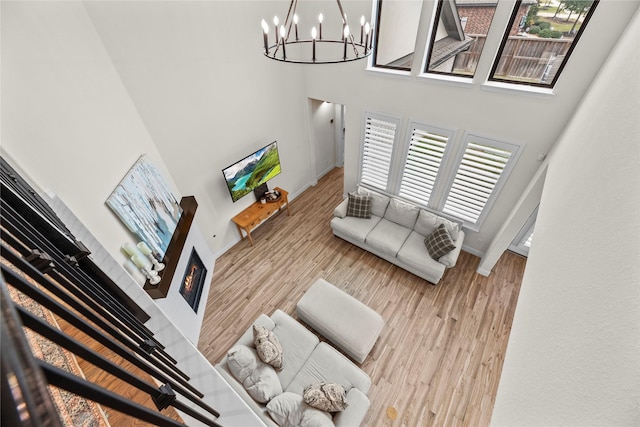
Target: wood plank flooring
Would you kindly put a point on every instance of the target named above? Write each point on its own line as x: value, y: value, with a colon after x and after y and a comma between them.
x: 439, y: 358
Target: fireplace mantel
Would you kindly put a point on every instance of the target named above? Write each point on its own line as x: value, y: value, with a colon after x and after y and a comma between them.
x: 174, y: 250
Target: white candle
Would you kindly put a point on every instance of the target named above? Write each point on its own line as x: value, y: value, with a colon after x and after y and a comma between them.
x: 144, y: 248
x: 265, y: 29
x: 275, y: 24
x: 130, y: 249
x: 283, y: 36
x: 141, y: 261
x: 314, y: 34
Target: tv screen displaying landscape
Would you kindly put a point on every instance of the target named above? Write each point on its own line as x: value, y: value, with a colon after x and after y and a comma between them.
x: 254, y: 170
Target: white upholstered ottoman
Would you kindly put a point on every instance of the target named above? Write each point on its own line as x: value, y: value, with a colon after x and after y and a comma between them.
x: 342, y: 319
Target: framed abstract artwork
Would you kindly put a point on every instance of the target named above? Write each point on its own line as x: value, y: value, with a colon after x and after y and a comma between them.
x: 145, y: 204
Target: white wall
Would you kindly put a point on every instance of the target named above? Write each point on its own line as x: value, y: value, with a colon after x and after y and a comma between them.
x: 208, y: 97
x: 323, y: 124
x: 66, y: 118
x: 574, y: 348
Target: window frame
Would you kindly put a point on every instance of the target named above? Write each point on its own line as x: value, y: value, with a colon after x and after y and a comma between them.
x: 394, y: 148
x: 516, y: 150
x: 376, y: 39
x: 448, y: 168
x: 505, y: 37
x: 440, y: 176
x: 431, y: 39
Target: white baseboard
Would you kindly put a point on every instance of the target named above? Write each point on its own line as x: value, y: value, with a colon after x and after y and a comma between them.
x: 472, y: 251
x: 483, y: 272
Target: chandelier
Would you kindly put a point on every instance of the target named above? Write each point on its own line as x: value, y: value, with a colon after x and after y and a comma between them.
x: 288, y: 46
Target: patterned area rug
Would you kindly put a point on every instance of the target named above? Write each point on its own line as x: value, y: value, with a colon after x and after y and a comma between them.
x: 74, y: 411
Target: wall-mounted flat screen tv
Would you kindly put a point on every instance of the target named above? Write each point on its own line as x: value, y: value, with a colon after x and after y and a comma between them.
x: 247, y: 174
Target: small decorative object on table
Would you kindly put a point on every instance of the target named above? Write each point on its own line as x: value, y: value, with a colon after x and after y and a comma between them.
x: 272, y: 196
x: 146, y: 250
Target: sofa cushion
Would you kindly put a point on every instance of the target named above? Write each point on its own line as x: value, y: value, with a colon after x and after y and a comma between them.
x: 358, y: 407
x: 355, y: 228
x: 289, y: 410
x: 359, y: 206
x: 259, y: 379
x: 402, y: 213
x: 414, y: 254
x: 388, y: 237
x: 439, y: 242
x: 263, y: 383
x: 328, y: 365
x: 379, y: 202
x: 242, y: 361
x: 451, y: 258
x: 268, y: 346
x: 453, y: 228
x: 298, y: 341
x: 329, y: 397
x: 426, y: 223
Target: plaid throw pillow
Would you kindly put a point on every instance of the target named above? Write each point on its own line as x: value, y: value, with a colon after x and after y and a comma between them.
x: 359, y: 206
x: 439, y: 242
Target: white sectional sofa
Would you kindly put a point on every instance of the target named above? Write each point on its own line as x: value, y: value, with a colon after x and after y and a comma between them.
x: 396, y: 232
x: 306, y: 361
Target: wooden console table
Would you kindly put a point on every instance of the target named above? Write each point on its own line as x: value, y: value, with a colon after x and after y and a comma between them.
x: 252, y: 216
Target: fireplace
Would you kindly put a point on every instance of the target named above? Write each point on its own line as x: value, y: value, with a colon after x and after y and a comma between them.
x: 193, y: 280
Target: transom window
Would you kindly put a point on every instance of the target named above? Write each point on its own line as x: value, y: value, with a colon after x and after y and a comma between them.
x: 537, y: 43
x: 397, y: 24
x: 539, y: 40
x: 458, y: 33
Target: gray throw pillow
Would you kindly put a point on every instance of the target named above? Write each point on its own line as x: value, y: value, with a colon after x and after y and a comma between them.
x: 268, y: 346
x: 359, y: 206
x: 328, y: 397
x: 439, y: 242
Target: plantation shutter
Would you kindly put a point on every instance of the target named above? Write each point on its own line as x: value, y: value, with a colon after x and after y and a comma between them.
x: 426, y: 151
x: 478, y: 175
x: 379, y: 138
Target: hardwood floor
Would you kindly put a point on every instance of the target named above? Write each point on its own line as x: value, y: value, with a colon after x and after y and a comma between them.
x: 439, y: 358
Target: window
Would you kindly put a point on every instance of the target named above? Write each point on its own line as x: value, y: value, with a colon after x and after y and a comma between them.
x: 457, y: 37
x: 539, y: 40
x: 396, y: 31
x: 377, y: 150
x: 482, y: 169
x: 423, y: 169
x: 427, y: 148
